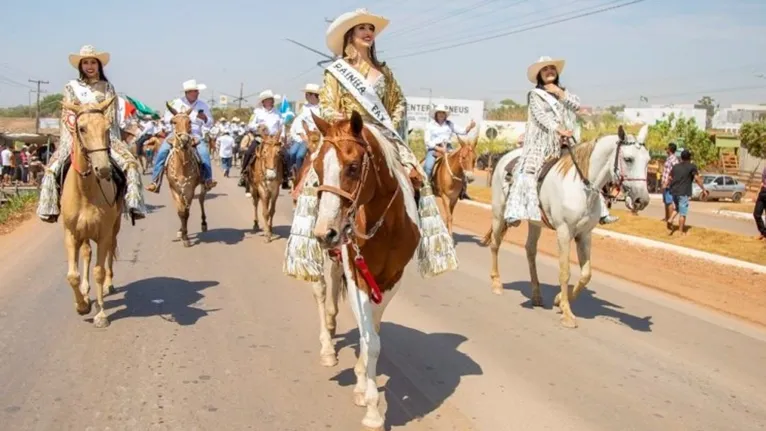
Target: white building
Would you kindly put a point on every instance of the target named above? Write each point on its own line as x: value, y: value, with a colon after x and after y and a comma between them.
x: 419, y: 111
x: 731, y: 119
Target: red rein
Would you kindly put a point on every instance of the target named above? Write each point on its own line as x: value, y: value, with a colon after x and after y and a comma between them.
x: 376, y: 296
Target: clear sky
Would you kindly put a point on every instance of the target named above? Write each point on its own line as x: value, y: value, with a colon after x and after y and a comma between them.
x: 667, y: 50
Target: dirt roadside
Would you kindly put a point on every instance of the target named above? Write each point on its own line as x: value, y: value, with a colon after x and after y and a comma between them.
x: 734, y: 291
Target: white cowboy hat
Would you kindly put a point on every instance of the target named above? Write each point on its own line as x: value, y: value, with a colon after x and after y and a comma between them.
x: 192, y: 85
x: 346, y: 22
x: 544, y: 61
x: 440, y: 108
x: 311, y: 88
x: 235, y: 119
x: 88, y: 51
x: 266, y: 94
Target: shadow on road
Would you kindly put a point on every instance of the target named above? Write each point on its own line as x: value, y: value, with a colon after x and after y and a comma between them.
x: 424, y: 370
x: 225, y: 235
x: 172, y: 299
x: 460, y: 238
x: 153, y: 208
x: 587, y: 305
x: 211, y: 196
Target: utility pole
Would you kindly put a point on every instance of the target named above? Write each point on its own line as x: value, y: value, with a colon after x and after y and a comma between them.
x: 241, y: 99
x: 37, y: 115
x: 29, y: 102
x: 211, y: 101
x: 430, y: 94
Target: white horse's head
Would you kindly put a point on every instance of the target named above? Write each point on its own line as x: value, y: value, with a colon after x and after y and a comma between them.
x: 630, y: 166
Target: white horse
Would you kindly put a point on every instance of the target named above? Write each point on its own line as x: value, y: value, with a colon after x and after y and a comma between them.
x: 572, y: 209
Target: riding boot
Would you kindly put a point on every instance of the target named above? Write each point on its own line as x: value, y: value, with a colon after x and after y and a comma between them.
x: 285, y: 176
x: 464, y: 192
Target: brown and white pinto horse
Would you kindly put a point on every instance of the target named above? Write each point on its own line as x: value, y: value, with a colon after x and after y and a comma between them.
x: 367, y: 221
x: 266, y: 175
x: 451, y: 173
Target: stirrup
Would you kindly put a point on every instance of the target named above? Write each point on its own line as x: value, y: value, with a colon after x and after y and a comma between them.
x: 608, y: 219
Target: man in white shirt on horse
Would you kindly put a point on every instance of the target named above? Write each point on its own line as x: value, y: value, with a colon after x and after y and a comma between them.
x: 267, y: 117
x: 201, y: 119
x: 299, y: 145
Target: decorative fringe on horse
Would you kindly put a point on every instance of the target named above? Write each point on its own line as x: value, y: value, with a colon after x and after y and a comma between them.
x: 304, y: 258
x: 436, y: 252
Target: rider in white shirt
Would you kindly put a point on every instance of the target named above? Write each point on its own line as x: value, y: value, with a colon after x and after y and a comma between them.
x: 201, y: 119
x: 299, y: 145
x: 438, y: 138
x: 264, y: 116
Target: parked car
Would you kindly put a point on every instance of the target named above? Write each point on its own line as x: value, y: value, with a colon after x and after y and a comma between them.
x: 719, y: 187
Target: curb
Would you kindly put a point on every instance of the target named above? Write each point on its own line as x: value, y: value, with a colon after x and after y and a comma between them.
x: 734, y: 214
x: 650, y: 243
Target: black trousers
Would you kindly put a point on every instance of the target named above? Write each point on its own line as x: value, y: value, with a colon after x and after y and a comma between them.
x: 758, y: 212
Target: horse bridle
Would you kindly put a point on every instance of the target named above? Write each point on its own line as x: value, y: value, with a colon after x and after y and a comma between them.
x: 86, y: 151
x: 618, y: 168
x: 354, y: 196
x: 462, y: 158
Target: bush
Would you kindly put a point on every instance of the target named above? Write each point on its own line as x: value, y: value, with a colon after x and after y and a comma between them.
x: 685, y: 133
x: 753, y: 138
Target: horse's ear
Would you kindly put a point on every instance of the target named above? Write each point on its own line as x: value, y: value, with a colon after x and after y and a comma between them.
x: 305, y: 126
x: 357, y: 124
x: 106, y: 103
x: 279, y: 134
x: 642, y: 134
x: 71, y: 107
x: 170, y: 108
x: 460, y: 141
x: 321, y: 124
x: 475, y: 141
x: 621, y: 133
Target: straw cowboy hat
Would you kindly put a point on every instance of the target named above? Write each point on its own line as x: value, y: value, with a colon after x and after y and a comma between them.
x: 192, y: 85
x: 235, y: 120
x: 266, y: 94
x: 346, y: 22
x: 311, y: 88
x: 88, y: 51
x: 440, y: 108
x: 544, y: 61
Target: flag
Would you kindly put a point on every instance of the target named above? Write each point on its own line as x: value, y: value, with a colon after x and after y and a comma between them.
x: 643, y: 99
x: 285, y: 110
x: 143, y: 109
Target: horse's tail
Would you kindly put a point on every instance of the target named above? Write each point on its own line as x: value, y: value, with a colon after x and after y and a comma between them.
x: 487, y: 240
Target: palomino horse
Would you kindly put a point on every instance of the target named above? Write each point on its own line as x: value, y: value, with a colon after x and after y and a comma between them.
x: 451, y: 173
x: 183, y: 171
x: 266, y: 175
x: 314, y: 139
x: 91, y: 204
x: 570, y: 206
x: 368, y: 222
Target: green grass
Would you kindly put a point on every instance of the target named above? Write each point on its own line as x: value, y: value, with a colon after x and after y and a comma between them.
x: 15, y: 206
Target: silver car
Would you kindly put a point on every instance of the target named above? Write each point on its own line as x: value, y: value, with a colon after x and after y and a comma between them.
x: 719, y: 187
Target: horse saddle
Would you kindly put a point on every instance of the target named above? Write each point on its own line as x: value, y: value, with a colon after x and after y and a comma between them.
x: 118, y: 176
x: 544, y: 170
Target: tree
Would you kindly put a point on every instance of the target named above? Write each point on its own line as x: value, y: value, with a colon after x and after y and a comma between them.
x: 615, y: 109
x: 686, y: 134
x: 753, y: 138
x: 50, y: 106
x: 711, y: 107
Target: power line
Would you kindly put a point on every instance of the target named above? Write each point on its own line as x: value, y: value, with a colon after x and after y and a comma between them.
x: 689, y: 93
x: 422, y: 25
x: 522, y: 30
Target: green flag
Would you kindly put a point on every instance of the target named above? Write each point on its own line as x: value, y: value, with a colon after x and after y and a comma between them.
x: 143, y: 109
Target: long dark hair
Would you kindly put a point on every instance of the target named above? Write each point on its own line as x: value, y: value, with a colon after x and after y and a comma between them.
x: 541, y: 84
x: 349, y: 36
x: 101, y: 74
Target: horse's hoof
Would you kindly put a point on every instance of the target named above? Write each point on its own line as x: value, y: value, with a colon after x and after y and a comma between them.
x: 328, y: 360
x: 537, y: 301
x: 497, y: 290
x: 366, y: 428
x: 204, y: 227
x: 557, y: 300
x: 359, y: 399
x: 179, y: 235
x: 568, y: 321
x: 84, y: 311
x: 108, y: 290
x: 187, y: 243
x: 100, y: 322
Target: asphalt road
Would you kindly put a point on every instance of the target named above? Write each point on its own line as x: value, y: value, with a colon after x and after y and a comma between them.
x: 215, y: 337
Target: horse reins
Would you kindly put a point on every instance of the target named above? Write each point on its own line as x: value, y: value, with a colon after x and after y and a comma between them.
x: 449, y: 168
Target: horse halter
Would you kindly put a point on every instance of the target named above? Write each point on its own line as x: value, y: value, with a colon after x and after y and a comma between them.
x: 86, y: 151
x: 354, y: 196
x: 461, y: 160
x: 619, y: 166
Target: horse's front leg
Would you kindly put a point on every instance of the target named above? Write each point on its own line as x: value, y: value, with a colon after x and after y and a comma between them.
x: 256, y: 199
x: 99, y: 275
x: 494, y: 239
x: 583, y: 257
x: 265, y: 214
x: 183, y: 214
x: 533, y: 237
x: 82, y: 303
x: 327, y: 356
x: 270, y: 216
x: 564, y: 240
x: 335, y: 287
x: 86, y: 254
x: 447, y: 204
x: 202, y: 194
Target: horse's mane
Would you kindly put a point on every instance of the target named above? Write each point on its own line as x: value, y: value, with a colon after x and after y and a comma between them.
x: 581, y: 154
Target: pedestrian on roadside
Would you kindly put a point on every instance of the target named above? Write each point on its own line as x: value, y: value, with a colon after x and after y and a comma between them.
x: 25, y: 156
x: 760, y: 207
x: 680, y: 185
x: 6, y: 156
x: 226, y: 151
x: 670, y: 161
